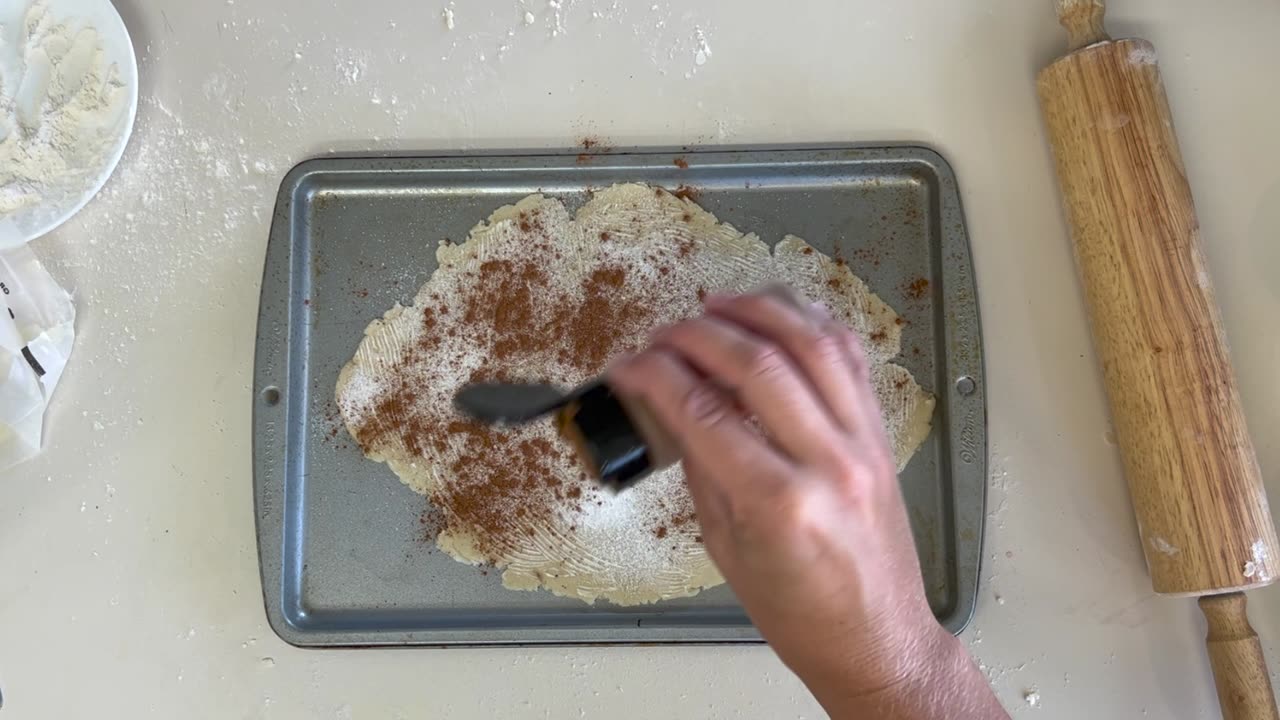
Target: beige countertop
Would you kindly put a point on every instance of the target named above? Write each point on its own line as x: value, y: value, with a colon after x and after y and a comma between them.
x: 128, y: 570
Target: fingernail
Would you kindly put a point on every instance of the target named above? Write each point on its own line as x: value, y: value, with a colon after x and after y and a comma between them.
x: 821, y: 310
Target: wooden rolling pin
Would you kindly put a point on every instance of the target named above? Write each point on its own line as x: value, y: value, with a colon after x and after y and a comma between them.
x: 1202, y: 511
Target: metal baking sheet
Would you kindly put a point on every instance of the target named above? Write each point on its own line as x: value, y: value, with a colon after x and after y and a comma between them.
x: 342, y: 549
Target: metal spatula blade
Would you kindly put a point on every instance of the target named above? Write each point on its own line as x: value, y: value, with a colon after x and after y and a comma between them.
x: 510, y: 403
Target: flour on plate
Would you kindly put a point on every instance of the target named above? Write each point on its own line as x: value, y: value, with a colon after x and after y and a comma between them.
x: 61, y: 108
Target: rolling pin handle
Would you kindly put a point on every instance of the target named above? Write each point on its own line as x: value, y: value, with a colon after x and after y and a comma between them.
x: 1239, y: 666
x: 1083, y: 21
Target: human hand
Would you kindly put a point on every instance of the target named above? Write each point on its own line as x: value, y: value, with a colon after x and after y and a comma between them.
x: 806, y: 521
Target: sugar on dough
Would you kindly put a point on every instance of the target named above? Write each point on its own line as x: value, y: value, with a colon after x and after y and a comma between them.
x: 608, y: 550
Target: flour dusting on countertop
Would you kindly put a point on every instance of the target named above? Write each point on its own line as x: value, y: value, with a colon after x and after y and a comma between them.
x: 1031, y: 697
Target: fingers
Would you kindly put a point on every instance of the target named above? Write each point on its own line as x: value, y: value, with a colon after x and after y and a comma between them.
x: 709, y: 500
x: 764, y: 379
x: 817, y: 344
x: 701, y: 418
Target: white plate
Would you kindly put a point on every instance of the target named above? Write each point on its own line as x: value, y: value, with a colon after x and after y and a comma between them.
x: 28, y: 211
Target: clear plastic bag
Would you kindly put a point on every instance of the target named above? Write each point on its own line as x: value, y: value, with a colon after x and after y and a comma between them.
x: 37, y: 330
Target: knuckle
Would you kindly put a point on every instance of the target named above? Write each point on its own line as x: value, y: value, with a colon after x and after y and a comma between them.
x: 796, y: 506
x: 759, y: 302
x: 829, y: 349
x: 769, y: 304
x: 860, y: 473
x: 785, y: 512
x: 852, y: 470
x: 705, y: 405
x: 761, y: 360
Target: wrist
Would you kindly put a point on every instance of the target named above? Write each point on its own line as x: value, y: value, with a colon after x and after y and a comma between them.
x: 932, y: 676
x: 870, y: 660
x: 917, y: 673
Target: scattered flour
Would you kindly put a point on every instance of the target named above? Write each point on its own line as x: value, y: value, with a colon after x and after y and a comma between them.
x: 675, y: 39
x: 1164, y: 546
x: 351, y: 67
x: 1142, y: 54
x: 703, y: 53
x: 1255, y: 569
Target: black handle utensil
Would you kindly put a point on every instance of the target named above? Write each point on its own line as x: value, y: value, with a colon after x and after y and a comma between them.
x: 596, y: 422
x: 510, y: 403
